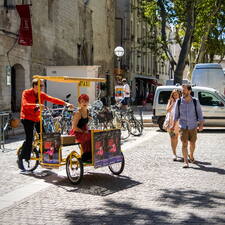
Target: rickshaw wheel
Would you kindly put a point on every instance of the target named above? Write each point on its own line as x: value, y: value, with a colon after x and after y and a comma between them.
x: 74, y: 169
x: 31, y: 164
x: 117, y: 168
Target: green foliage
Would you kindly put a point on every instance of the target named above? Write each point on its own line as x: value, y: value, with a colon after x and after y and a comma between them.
x: 209, y: 17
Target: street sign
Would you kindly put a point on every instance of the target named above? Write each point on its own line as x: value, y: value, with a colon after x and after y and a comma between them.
x: 8, y: 75
x: 84, y: 84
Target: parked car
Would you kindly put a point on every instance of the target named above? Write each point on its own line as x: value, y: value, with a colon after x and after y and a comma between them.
x: 211, y: 101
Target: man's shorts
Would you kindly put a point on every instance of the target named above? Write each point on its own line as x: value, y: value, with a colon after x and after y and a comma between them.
x: 188, y: 135
x: 125, y: 101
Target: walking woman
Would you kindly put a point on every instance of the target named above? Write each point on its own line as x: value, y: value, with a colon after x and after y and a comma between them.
x: 80, y: 128
x: 171, y: 110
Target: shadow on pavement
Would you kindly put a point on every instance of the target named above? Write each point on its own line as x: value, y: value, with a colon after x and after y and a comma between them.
x: 48, y: 175
x: 208, y: 169
x: 115, y: 213
x: 213, y: 130
x: 200, y: 199
x: 100, y: 184
x: 160, y: 131
x: 197, y: 162
x: 13, y: 138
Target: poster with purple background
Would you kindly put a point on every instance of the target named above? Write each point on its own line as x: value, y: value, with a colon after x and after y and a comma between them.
x: 107, y: 147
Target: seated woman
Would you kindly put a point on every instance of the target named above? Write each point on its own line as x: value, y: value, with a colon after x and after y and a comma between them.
x: 80, y: 129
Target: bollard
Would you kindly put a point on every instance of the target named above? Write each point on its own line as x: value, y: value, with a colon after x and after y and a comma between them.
x: 141, y: 114
x: 4, y: 119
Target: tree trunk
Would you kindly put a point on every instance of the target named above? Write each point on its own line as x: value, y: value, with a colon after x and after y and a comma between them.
x: 178, y: 74
x: 202, y: 49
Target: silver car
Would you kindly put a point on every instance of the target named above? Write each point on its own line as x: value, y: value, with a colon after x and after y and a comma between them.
x: 211, y: 101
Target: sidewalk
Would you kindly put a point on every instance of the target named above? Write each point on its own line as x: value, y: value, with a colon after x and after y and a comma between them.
x: 153, y: 189
x: 146, y: 116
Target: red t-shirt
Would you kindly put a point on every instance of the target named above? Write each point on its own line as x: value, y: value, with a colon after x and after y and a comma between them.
x: 29, y: 101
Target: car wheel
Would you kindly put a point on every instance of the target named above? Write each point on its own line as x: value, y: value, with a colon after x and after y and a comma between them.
x: 160, y: 122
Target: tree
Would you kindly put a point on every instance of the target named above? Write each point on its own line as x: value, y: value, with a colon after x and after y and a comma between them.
x: 199, y: 27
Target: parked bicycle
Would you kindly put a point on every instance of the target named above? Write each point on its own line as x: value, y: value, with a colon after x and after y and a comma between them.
x: 8, y: 123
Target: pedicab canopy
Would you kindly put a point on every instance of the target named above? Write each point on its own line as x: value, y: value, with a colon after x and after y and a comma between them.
x: 66, y: 79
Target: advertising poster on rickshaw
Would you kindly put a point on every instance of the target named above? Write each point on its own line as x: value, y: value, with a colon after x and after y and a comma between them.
x: 107, y: 148
x: 51, y: 148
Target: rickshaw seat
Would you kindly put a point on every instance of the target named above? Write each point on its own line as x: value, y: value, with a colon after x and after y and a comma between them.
x: 68, y: 140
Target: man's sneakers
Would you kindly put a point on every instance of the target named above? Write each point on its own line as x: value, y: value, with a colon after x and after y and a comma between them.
x: 21, y: 166
x: 20, y: 163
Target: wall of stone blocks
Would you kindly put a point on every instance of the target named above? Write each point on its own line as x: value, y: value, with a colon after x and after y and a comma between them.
x: 58, y: 28
x: 104, y: 36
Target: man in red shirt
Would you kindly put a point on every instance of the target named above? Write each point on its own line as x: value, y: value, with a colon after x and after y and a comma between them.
x: 30, y: 115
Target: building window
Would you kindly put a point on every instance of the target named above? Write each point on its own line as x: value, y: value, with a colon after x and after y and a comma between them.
x: 9, y: 4
x: 137, y: 68
x: 78, y: 54
x: 50, y: 10
x: 26, y: 2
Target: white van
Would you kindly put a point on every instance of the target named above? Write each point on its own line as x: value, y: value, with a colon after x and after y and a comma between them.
x: 212, y: 104
x: 209, y: 75
x: 171, y: 82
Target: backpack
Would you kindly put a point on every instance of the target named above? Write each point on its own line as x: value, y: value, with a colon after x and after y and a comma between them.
x: 195, y: 103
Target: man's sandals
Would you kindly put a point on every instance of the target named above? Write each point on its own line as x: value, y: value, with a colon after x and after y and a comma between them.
x: 191, y: 160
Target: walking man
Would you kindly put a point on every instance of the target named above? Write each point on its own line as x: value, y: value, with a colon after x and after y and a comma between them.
x: 188, y: 112
x: 30, y: 116
x: 126, y: 93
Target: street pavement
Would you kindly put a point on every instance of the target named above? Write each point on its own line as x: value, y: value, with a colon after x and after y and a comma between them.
x: 152, y: 189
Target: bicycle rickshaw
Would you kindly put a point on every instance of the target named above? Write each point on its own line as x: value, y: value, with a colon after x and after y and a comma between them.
x: 105, y: 144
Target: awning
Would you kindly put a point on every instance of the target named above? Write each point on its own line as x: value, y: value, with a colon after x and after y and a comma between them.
x: 155, y: 83
x: 145, y: 77
x: 152, y: 80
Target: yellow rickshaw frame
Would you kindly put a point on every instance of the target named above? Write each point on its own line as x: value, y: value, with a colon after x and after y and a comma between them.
x: 61, y: 79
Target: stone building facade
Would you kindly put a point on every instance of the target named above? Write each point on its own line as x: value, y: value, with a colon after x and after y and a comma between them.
x: 141, y: 67
x: 103, y: 21
x: 65, y: 33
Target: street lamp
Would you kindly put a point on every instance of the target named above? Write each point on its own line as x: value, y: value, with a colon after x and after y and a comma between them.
x: 119, y: 52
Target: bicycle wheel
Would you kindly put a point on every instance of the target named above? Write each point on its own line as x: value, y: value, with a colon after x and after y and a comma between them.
x: 29, y: 165
x: 74, y: 169
x: 125, y: 129
x: 117, y: 168
x: 136, y: 128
